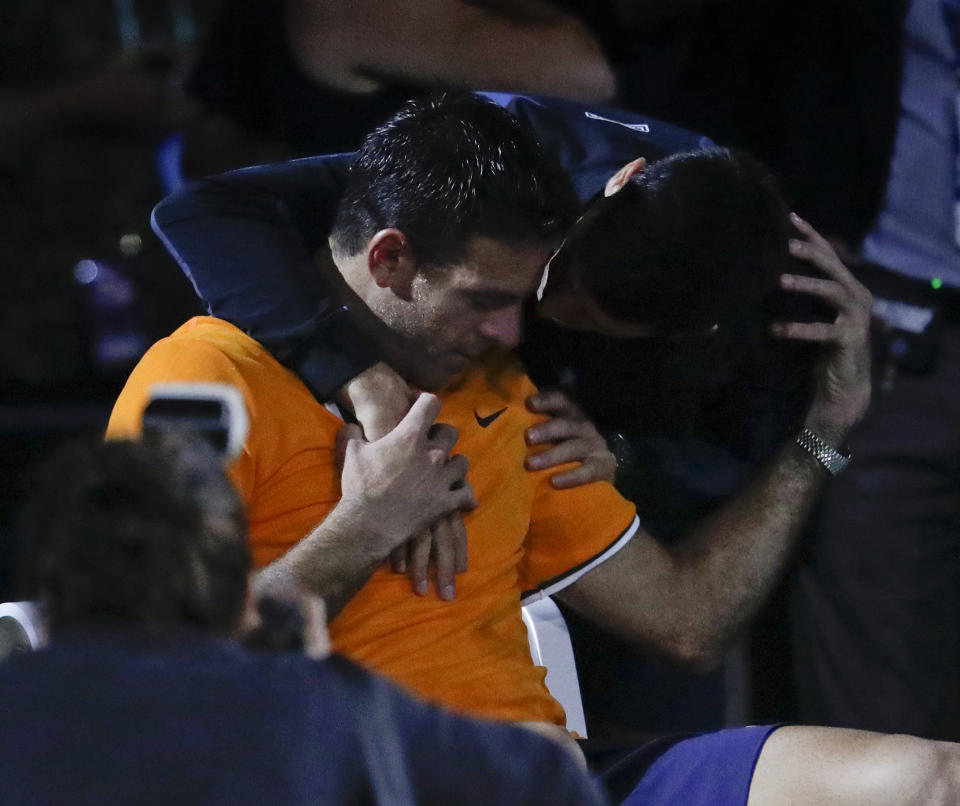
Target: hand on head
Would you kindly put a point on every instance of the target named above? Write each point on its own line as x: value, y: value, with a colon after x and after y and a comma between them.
x: 842, y: 392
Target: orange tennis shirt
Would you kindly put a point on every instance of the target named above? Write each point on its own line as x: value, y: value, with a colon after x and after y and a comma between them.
x: 525, y: 539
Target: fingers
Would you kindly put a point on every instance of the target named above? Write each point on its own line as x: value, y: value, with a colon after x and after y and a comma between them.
x: 807, y: 229
x: 840, y: 288
x: 459, y: 542
x: 574, y: 439
x: 398, y: 559
x: 570, y: 450
x: 557, y: 429
x: 829, y: 290
x: 444, y: 557
x: 823, y: 257
x: 421, y: 416
x: 443, y: 436
x: 316, y: 638
x: 556, y: 403
x: 818, y: 251
x: 419, y: 561
x: 455, y: 471
x: 445, y: 544
x: 345, y: 435
x: 588, y: 472
x: 462, y: 497
x: 806, y: 331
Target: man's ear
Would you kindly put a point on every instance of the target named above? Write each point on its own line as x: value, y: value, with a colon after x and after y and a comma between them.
x: 390, y: 261
x: 621, y: 177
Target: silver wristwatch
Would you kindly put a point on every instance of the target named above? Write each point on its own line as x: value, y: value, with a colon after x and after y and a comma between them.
x: 828, y: 456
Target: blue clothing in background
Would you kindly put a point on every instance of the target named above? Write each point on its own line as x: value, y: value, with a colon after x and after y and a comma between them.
x: 876, y: 604
x: 914, y: 233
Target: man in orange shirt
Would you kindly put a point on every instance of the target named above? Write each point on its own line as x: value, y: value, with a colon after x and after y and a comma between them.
x: 450, y: 214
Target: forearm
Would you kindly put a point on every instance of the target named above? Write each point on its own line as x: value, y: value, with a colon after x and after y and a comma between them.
x: 492, y: 51
x: 510, y: 46
x: 333, y: 561
x: 728, y: 565
x: 692, y: 600
x: 689, y: 603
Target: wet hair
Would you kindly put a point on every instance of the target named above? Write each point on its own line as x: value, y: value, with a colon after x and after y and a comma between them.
x: 448, y: 168
x: 699, y: 238
x: 144, y: 532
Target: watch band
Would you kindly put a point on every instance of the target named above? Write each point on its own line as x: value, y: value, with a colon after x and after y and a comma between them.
x: 831, y: 458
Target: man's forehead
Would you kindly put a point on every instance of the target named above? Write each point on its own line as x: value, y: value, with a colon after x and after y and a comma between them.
x: 498, y: 266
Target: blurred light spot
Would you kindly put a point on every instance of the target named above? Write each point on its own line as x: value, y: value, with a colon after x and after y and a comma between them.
x: 131, y: 244
x: 86, y: 271
x: 899, y: 348
x: 936, y: 282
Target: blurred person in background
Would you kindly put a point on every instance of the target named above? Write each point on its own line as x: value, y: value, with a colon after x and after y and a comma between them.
x: 876, y: 606
x: 313, y: 76
x: 137, y: 553
x: 90, y: 92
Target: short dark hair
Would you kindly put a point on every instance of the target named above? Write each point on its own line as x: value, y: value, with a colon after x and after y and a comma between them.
x: 699, y: 238
x: 147, y: 532
x: 450, y: 167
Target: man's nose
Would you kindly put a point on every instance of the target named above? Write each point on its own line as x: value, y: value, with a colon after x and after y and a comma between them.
x: 503, y: 326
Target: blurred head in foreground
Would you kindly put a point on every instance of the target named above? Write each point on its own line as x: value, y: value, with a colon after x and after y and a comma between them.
x: 149, y: 533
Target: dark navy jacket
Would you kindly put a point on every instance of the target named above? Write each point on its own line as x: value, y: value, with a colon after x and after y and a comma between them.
x: 113, y: 716
x: 245, y: 239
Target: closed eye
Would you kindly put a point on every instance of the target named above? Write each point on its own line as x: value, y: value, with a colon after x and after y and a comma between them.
x: 490, y: 300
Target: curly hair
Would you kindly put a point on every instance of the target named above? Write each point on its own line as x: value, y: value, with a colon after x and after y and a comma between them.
x: 148, y: 532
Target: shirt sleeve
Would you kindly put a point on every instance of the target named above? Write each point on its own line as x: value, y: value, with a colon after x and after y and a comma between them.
x: 572, y: 531
x: 245, y: 240
x: 168, y: 362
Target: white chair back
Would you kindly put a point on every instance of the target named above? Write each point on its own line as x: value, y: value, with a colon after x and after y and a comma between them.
x: 22, y: 628
x: 550, y: 647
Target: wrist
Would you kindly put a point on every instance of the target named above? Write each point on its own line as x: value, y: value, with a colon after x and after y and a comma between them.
x: 368, y: 531
x: 831, y: 430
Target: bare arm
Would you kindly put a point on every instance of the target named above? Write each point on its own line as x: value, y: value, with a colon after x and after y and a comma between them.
x: 510, y: 45
x: 392, y: 488
x: 691, y: 602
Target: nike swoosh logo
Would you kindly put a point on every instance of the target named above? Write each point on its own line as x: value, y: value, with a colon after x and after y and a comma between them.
x: 483, y: 422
